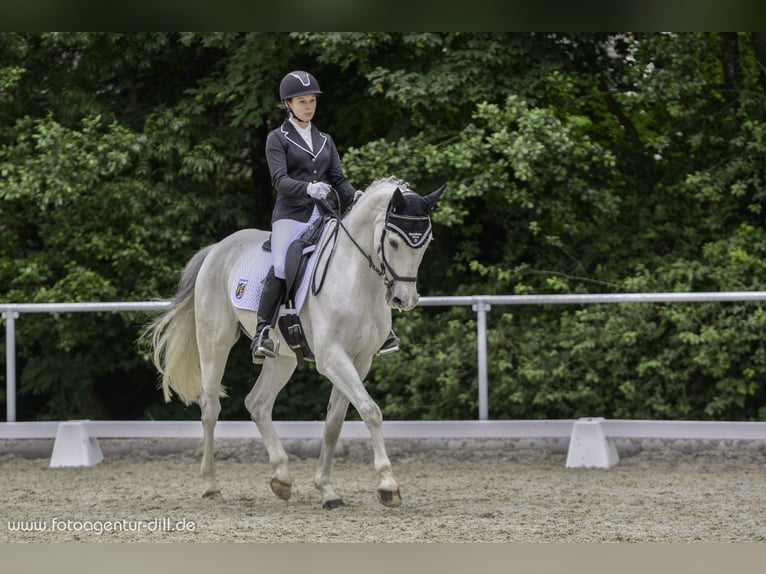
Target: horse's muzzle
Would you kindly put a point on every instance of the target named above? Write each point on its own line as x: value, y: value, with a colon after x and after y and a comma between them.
x: 402, y: 297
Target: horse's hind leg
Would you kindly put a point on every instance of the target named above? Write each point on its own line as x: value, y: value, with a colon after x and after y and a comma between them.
x: 260, y: 402
x: 210, y: 404
x: 336, y: 414
x: 214, y: 350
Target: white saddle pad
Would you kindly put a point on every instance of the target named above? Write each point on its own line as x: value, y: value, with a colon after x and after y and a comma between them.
x: 247, y: 285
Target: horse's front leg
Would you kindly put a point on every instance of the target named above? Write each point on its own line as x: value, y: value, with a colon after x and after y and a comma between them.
x: 260, y: 402
x: 340, y: 370
x: 336, y: 414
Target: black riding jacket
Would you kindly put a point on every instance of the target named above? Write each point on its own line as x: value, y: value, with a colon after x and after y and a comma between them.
x: 293, y: 165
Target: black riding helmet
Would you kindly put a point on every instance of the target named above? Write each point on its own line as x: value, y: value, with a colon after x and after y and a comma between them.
x: 298, y: 83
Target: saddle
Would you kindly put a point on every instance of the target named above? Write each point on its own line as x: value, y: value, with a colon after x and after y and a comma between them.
x: 296, y: 262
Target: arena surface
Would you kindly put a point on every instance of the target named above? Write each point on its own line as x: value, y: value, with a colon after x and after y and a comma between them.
x: 456, y: 491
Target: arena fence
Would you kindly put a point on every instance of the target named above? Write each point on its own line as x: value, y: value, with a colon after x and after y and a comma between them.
x: 591, y: 440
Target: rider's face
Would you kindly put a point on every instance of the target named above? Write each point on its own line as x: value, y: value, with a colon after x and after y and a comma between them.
x: 304, y: 107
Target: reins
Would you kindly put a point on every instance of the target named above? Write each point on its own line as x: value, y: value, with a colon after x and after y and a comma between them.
x: 332, y: 241
x: 379, y: 270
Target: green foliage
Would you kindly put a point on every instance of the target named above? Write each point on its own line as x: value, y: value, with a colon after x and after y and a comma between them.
x: 434, y: 375
x: 665, y: 361
x: 582, y: 162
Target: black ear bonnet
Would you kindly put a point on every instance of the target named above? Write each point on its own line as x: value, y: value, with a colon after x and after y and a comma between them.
x: 408, y: 217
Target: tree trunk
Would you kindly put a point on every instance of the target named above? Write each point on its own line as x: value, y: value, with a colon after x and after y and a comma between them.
x: 732, y: 72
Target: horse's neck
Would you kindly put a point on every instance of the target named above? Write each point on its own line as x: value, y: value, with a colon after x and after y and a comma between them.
x: 362, y: 218
x: 360, y: 225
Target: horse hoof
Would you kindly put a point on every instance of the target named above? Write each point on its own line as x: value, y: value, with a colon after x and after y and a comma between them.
x: 281, y: 489
x: 389, y: 498
x: 332, y: 504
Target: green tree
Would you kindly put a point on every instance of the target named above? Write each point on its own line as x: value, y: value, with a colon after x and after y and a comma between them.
x: 578, y: 162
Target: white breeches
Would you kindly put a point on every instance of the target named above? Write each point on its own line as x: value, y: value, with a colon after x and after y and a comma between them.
x: 283, y: 233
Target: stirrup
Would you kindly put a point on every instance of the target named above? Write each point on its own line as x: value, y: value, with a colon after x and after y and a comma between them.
x: 391, y: 345
x: 263, y: 347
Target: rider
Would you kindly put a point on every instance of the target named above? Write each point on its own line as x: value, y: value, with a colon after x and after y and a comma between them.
x: 302, y: 160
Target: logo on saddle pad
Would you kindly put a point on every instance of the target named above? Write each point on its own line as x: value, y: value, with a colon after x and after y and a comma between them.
x: 240, y: 290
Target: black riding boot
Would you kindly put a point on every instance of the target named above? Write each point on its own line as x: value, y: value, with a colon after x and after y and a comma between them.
x: 268, y: 312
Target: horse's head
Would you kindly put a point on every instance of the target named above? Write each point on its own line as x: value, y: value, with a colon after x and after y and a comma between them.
x: 404, y: 235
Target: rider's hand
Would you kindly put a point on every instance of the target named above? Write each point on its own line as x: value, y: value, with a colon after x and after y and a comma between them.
x: 318, y: 189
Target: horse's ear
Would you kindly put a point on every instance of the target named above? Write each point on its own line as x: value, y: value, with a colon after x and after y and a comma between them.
x: 433, y: 197
x: 397, y: 200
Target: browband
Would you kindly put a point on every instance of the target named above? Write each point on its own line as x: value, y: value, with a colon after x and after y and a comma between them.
x: 415, y: 230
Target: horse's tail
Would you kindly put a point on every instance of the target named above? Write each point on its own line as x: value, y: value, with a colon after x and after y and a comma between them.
x: 174, y: 338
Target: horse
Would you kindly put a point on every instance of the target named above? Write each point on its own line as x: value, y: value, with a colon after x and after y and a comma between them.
x: 368, y: 270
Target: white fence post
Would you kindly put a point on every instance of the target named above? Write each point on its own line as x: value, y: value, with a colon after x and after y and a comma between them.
x: 481, y: 309
x: 10, y: 364
x: 589, y: 446
x: 74, y: 446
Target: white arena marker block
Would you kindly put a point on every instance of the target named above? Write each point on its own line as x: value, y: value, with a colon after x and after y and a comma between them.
x: 589, y: 447
x: 74, y: 447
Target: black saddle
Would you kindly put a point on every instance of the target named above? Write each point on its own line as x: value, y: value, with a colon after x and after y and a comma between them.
x: 296, y: 262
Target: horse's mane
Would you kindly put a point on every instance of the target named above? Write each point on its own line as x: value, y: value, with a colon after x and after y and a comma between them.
x: 378, y: 193
x: 387, y: 184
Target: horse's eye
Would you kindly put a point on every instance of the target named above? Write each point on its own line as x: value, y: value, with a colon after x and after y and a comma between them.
x: 393, y: 243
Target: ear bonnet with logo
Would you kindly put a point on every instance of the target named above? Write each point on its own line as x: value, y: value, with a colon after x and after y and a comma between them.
x: 408, y: 216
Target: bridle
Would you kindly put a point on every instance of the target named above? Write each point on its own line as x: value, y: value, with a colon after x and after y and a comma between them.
x: 415, y: 230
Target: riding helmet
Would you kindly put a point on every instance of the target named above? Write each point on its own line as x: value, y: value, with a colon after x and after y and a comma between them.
x: 298, y: 83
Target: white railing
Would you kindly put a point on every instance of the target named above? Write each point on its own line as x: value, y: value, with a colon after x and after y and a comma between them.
x: 12, y: 311
x: 481, y: 304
